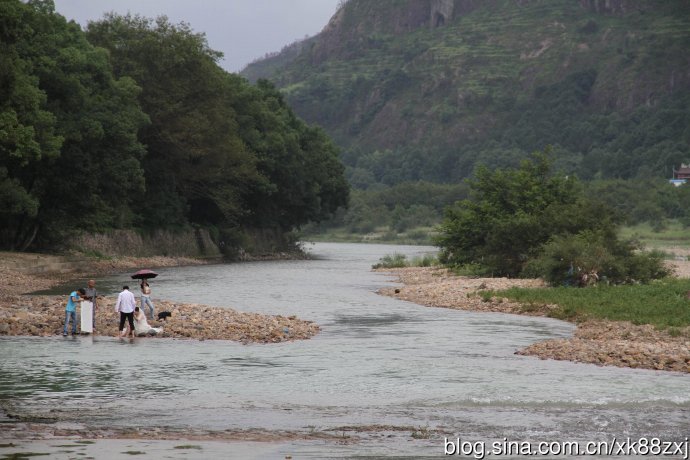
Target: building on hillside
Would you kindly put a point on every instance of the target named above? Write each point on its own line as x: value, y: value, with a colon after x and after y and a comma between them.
x: 680, y: 175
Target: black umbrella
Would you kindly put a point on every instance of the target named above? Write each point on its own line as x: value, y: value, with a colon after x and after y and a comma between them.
x: 144, y: 275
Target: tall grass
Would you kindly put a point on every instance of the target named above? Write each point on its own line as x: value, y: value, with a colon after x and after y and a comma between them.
x: 661, y: 303
x: 392, y: 261
x: 400, y: 261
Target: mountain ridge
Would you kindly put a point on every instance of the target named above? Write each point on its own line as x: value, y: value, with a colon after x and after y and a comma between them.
x: 451, y: 78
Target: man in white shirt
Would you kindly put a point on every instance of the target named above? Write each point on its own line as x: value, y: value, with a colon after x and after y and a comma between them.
x: 125, y: 306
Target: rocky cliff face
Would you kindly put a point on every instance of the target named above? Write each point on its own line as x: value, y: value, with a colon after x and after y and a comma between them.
x: 359, y: 21
x: 444, y: 11
x: 379, y: 17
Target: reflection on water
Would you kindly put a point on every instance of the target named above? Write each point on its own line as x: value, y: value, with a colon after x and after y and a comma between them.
x: 377, y: 361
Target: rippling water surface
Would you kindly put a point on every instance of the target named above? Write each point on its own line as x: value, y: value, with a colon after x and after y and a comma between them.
x: 377, y: 361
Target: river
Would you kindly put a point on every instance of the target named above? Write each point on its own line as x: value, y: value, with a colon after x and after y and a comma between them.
x: 396, y: 376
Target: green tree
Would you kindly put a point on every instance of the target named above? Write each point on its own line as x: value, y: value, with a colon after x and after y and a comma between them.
x: 197, y: 167
x: 301, y: 163
x: 68, y: 141
x: 511, y: 213
x: 27, y: 130
x: 220, y: 151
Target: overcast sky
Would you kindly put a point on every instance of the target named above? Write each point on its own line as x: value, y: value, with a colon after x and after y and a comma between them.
x: 243, y: 30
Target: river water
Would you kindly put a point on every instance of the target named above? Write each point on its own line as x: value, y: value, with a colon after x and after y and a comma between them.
x: 398, y: 376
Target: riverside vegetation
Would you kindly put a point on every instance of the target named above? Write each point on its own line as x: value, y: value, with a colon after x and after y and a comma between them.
x: 409, y: 213
x: 132, y: 125
x: 662, y: 304
x: 533, y: 223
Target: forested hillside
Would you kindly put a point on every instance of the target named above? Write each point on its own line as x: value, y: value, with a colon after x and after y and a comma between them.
x: 427, y: 89
x: 133, y: 125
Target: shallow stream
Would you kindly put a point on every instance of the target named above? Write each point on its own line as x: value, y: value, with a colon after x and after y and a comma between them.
x: 397, y: 376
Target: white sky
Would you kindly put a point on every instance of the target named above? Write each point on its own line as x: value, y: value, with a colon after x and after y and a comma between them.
x: 243, y: 30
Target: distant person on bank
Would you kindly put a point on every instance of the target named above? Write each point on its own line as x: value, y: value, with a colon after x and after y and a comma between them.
x: 71, y: 310
x: 92, y: 295
x: 146, y: 297
x: 125, y: 305
x: 141, y: 326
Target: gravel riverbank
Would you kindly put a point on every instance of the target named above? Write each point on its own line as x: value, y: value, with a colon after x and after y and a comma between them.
x: 610, y: 343
x: 45, y: 315
x: 39, y: 315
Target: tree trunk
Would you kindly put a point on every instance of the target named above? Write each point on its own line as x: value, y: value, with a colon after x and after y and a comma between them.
x: 29, y: 239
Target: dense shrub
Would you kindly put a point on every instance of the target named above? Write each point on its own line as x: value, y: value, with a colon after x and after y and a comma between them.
x: 532, y: 222
x: 588, y: 257
x: 512, y: 213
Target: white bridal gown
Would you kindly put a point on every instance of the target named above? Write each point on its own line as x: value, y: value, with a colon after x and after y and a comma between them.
x: 142, y: 327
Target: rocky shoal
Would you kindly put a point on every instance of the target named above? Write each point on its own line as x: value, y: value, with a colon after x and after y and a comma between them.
x: 621, y: 344
x: 45, y: 315
x: 36, y: 315
x: 609, y: 343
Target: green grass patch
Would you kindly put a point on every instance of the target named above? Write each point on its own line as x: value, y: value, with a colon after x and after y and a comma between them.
x: 188, y: 446
x: 663, y: 304
x: 672, y: 234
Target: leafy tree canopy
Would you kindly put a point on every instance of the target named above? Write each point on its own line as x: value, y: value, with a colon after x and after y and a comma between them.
x: 530, y: 221
x: 133, y: 124
x: 220, y: 151
x: 69, y: 153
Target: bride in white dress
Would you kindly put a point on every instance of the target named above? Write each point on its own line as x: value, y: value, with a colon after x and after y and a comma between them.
x: 141, y: 325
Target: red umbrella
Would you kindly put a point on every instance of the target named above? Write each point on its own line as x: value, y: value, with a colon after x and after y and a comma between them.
x: 144, y: 274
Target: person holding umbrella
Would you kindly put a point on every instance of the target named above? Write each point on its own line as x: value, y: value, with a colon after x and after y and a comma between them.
x: 146, y: 297
x: 144, y: 275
